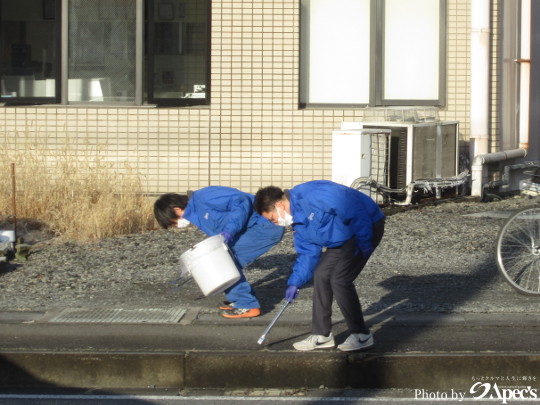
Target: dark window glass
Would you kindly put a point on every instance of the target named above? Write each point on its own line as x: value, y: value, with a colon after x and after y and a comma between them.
x: 178, y: 56
x: 29, y: 60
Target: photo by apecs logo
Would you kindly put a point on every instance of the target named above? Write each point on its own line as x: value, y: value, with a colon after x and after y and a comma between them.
x: 488, y: 391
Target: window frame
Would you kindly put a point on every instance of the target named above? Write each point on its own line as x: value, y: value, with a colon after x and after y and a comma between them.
x: 378, y: 82
x: 144, y: 66
x: 377, y: 52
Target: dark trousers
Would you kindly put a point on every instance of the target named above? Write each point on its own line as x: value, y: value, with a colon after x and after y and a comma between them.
x: 334, y: 278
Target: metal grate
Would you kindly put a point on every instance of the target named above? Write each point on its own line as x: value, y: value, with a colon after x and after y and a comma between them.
x: 119, y: 315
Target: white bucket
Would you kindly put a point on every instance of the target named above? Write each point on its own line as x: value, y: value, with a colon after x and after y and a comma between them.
x: 211, y: 265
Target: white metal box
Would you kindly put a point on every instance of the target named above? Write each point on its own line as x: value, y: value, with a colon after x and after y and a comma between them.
x: 424, y: 150
x: 360, y: 153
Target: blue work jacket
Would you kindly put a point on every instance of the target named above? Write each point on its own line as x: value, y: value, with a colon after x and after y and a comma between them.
x: 217, y: 209
x: 327, y: 214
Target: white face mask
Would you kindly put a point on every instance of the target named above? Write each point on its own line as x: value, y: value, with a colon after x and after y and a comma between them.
x: 286, y: 220
x: 182, y: 223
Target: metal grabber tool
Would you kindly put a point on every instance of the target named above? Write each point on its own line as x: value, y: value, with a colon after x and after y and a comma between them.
x: 183, y: 278
x: 271, y: 324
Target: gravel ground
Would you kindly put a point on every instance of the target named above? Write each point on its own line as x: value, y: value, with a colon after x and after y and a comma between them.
x: 431, y: 259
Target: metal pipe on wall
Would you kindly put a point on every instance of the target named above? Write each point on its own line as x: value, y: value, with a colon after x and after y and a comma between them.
x: 480, y: 15
x: 480, y: 50
x: 480, y: 39
x: 477, y: 169
x: 525, y: 74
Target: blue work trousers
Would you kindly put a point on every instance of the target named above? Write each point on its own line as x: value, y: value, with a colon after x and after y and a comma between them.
x: 246, y: 247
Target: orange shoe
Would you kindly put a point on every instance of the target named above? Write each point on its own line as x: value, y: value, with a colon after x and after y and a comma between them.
x: 235, y: 313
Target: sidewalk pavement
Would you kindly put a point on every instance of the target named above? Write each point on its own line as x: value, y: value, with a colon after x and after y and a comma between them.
x: 430, y: 351
x: 445, y: 330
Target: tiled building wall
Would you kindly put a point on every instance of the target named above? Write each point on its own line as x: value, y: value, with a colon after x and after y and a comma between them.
x: 253, y: 133
x: 458, y: 67
x: 168, y: 147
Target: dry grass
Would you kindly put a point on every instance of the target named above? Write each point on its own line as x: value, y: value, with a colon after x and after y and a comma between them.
x: 73, y: 190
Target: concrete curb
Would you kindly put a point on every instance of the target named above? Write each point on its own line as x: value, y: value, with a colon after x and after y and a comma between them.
x: 413, y: 351
x: 192, y: 370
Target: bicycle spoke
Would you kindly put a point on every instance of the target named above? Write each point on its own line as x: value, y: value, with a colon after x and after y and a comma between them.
x: 518, y: 255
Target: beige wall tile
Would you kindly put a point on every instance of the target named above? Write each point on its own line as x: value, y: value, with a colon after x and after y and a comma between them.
x: 253, y: 133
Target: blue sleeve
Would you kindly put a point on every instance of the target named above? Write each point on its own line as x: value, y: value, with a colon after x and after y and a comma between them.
x: 306, y: 261
x: 240, y: 209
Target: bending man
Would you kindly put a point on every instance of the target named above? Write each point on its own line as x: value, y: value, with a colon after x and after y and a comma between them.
x: 349, y: 225
x: 228, y: 211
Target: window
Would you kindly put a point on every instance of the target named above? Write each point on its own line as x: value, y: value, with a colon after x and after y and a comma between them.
x: 178, y: 53
x: 113, y: 52
x: 373, y: 52
x: 29, y: 45
x: 101, y: 59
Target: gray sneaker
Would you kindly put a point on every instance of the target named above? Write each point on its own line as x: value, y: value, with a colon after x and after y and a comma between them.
x: 315, y: 342
x: 357, y: 341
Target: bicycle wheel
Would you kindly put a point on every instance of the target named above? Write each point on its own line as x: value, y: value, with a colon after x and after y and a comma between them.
x: 518, y: 251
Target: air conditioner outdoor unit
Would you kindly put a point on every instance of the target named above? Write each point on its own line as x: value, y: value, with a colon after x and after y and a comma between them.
x: 420, y: 150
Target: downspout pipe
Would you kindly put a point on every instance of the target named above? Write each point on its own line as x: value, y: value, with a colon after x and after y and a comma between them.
x: 480, y: 40
x: 524, y: 74
x: 480, y: 75
x: 480, y: 15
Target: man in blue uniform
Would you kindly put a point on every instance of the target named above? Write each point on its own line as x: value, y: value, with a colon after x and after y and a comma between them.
x: 336, y: 229
x: 227, y: 211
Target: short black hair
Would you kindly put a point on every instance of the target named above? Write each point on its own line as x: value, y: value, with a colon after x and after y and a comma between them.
x: 164, y: 208
x: 266, y: 198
